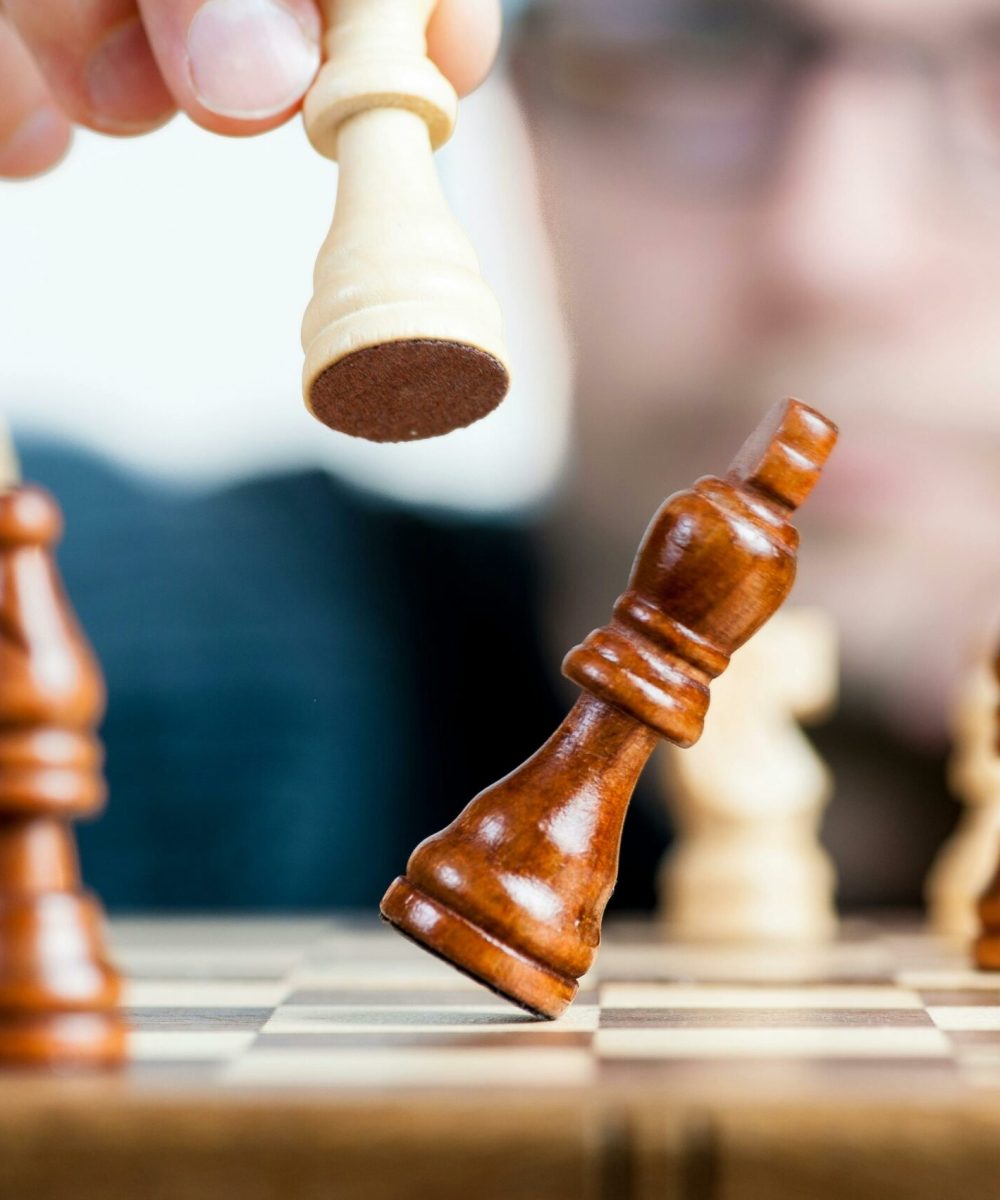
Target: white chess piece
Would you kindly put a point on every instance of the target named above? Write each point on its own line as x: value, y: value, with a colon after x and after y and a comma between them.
x: 747, y: 864
x: 396, y: 274
x: 968, y: 859
x: 10, y: 469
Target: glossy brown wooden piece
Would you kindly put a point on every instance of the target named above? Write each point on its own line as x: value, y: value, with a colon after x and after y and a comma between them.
x: 514, y: 890
x: 986, y: 949
x: 58, y: 994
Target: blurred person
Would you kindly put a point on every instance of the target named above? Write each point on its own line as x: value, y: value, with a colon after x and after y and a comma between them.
x: 289, y: 676
x: 745, y: 201
x: 752, y: 199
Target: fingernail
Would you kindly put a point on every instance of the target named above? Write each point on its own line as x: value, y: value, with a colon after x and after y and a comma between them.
x: 126, y: 90
x: 249, y: 58
x: 35, y: 145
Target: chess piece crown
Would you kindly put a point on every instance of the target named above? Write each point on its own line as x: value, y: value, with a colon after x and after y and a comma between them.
x: 402, y: 338
x: 514, y: 890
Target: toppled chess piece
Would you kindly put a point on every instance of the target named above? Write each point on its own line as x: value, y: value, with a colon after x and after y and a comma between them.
x: 986, y: 950
x: 58, y: 993
x: 514, y: 890
x: 403, y: 339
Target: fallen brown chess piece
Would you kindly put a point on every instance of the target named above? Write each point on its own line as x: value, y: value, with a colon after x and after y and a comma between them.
x: 512, y: 893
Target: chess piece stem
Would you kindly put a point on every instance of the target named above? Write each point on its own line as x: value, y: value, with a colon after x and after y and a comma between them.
x: 58, y: 993
x: 403, y: 338
x: 514, y: 890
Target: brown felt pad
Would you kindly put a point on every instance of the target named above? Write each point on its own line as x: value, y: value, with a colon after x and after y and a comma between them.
x: 404, y: 391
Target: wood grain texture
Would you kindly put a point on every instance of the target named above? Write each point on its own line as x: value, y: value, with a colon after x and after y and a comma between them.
x: 167, y: 1149
x: 277, y: 1058
x: 54, y: 1145
x: 862, y: 1152
x: 514, y: 890
x: 403, y: 339
x: 58, y: 993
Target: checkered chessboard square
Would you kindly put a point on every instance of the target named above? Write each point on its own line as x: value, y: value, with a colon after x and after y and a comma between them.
x: 347, y: 1004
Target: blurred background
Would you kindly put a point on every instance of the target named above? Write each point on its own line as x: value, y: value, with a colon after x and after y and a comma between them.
x: 688, y: 210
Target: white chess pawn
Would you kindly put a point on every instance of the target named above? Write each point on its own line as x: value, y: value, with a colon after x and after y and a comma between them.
x: 968, y: 859
x: 747, y: 864
x: 402, y: 338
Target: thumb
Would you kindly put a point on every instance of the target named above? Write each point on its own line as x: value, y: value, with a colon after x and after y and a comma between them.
x: 235, y: 66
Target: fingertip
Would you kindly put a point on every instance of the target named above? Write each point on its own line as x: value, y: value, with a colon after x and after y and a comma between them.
x: 37, y: 145
x: 463, y: 37
x: 236, y: 67
x: 125, y: 90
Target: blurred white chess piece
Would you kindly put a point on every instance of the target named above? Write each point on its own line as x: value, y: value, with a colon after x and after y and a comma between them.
x: 747, y: 864
x: 10, y: 469
x: 968, y: 859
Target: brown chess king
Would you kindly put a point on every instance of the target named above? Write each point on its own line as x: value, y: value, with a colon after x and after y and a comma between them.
x: 514, y: 890
x: 58, y: 994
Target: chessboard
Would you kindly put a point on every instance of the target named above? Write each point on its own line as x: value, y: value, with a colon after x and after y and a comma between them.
x: 348, y: 1004
x: 316, y: 1059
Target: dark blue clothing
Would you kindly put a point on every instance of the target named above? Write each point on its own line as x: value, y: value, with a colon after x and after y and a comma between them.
x: 304, y: 681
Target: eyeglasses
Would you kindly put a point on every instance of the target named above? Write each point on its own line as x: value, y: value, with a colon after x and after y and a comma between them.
x: 703, y: 91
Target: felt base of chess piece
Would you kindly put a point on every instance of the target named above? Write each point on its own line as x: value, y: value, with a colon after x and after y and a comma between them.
x: 404, y: 391
x: 513, y: 892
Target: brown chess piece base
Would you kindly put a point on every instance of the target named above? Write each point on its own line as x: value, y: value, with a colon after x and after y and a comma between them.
x: 58, y: 995
x: 986, y: 948
x: 447, y: 935
x: 70, y: 1039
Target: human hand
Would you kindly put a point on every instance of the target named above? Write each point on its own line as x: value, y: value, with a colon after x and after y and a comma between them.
x: 236, y: 67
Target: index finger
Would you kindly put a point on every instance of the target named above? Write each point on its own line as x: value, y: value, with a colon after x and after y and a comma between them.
x: 462, y: 38
x: 235, y: 66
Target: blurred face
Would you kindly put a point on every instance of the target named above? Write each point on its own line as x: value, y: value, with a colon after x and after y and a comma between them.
x: 756, y: 201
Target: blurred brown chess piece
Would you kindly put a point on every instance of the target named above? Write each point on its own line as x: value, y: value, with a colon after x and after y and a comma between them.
x: 987, y: 946
x: 513, y: 891
x: 58, y: 994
